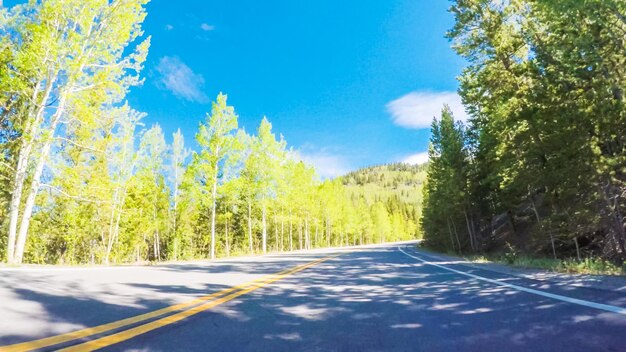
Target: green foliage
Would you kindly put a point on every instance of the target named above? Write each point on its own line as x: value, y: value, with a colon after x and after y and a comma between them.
x: 393, y: 194
x: 544, y: 162
x: 591, y: 266
x: 447, y: 207
x: 511, y: 255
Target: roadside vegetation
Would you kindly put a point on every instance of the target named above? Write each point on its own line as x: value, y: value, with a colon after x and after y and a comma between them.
x: 83, y: 180
x: 541, y: 164
x: 593, y: 266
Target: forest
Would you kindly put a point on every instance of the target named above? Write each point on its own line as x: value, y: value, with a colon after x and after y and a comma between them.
x: 84, y: 181
x: 540, y: 166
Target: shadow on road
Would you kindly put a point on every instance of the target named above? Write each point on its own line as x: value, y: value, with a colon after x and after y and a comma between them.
x: 375, y: 300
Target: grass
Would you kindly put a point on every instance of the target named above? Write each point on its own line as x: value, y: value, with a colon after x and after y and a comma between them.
x: 594, y: 266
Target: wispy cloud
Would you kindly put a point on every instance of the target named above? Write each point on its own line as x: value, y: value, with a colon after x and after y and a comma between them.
x: 417, y: 109
x: 179, y: 79
x: 327, y: 164
x: 416, y: 159
x: 169, y: 27
x: 207, y: 27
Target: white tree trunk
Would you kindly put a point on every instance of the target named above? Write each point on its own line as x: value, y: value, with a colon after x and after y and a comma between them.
x: 14, y: 207
x: 275, y: 231
x: 307, y: 239
x: 290, y: 233
x: 264, y: 231
x: 250, y: 226
x: 213, y: 204
x: 35, y: 184
x: 28, y: 141
x: 227, y: 239
x: 316, y: 242
x: 300, y: 234
x: 282, y: 231
x: 213, y: 220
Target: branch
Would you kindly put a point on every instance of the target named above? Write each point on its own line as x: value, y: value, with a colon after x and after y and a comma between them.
x: 58, y: 190
x: 87, y: 87
x: 3, y: 163
x: 80, y: 145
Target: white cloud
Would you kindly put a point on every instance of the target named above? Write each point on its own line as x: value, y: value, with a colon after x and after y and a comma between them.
x: 169, y: 27
x: 416, y: 159
x: 326, y: 164
x: 179, y: 79
x: 207, y: 27
x: 417, y: 109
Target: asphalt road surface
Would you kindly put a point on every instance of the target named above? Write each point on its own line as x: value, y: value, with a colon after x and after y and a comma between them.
x: 378, y: 298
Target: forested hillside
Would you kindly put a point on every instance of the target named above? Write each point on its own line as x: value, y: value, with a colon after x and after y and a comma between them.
x: 395, y: 187
x: 85, y: 181
x: 399, y: 181
x: 541, y: 164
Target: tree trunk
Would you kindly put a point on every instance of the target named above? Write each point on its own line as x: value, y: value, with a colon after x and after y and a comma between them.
x: 536, y: 212
x: 264, y: 231
x: 109, y: 243
x: 552, y: 242
x: 275, y: 232
x: 341, y: 238
x: 300, y: 234
x: 22, y: 164
x: 14, y: 207
x: 577, y: 247
x: 250, y: 226
x: 451, y: 235
x: 157, y: 251
x: 307, y: 238
x: 227, y: 239
x: 316, y: 242
x: 618, y: 219
x: 469, y: 231
x: 36, y: 182
x: 456, y: 234
x: 157, y: 244
x: 213, y: 206
x: 330, y: 232
x: 290, y: 233
x: 175, y: 211
x: 282, y: 230
x: 29, y: 205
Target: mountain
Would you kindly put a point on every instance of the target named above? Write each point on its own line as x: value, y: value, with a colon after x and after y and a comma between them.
x: 382, y: 182
x: 397, y: 186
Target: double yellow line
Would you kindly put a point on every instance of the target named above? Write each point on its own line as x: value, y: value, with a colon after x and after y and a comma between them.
x: 195, y: 306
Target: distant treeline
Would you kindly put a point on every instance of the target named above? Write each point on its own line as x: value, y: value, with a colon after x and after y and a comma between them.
x: 541, y: 164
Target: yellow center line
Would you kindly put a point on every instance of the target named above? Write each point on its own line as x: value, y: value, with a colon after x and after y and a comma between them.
x: 142, y: 329
x: 82, y: 333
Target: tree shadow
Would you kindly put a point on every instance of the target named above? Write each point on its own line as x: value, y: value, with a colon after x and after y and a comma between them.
x: 373, y: 300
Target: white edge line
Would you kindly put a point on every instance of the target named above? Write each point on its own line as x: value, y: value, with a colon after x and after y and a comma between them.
x: 582, y: 302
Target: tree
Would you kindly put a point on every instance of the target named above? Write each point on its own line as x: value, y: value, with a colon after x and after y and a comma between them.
x: 178, y: 155
x: 80, y: 72
x: 382, y: 223
x: 217, y: 142
x: 266, y: 154
x: 446, y: 196
x: 544, y: 86
x: 149, y: 194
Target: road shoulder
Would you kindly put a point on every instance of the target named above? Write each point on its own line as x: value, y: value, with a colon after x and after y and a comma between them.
x: 599, y: 282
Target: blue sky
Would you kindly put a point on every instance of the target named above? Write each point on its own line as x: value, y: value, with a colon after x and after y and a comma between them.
x: 348, y: 83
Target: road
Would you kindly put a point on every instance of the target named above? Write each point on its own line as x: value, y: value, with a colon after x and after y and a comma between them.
x: 380, y: 298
